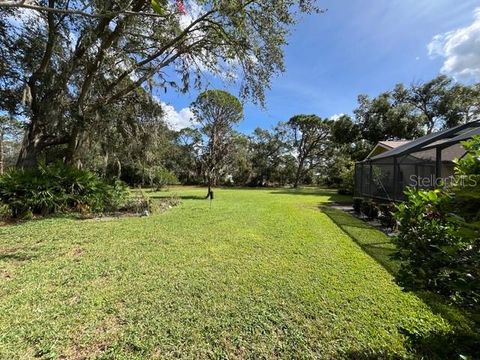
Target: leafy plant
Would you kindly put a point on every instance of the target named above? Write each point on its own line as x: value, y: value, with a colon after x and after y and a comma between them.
x: 139, y: 203
x: 58, y: 188
x: 433, y: 253
x: 347, y: 182
x: 357, y: 204
x: 162, y: 177
x: 369, y: 209
x: 387, y: 217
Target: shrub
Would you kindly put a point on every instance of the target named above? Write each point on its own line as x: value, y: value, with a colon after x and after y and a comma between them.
x: 162, y: 177
x: 369, y: 209
x: 58, y: 188
x: 347, y: 183
x: 139, y: 203
x: 357, y: 204
x: 439, y: 240
x: 387, y: 217
x: 5, y: 212
x: 435, y: 253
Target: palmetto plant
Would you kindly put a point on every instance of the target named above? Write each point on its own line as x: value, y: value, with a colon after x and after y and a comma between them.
x: 58, y: 188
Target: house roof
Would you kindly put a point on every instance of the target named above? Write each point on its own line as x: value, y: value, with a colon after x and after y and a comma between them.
x: 441, y: 139
x: 393, y: 144
x: 386, y: 145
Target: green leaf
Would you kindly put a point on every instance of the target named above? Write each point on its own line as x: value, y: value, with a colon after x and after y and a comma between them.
x: 157, y: 7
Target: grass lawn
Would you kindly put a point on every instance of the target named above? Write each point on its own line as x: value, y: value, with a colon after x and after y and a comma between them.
x: 262, y: 274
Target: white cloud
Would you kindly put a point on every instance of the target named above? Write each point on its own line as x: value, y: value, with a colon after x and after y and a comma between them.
x: 460, y: 49
x: 194, y: 10
x: 178, y: 120
x: 335, y: 117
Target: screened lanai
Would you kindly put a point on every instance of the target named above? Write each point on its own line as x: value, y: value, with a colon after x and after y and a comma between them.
x: 421, y: 163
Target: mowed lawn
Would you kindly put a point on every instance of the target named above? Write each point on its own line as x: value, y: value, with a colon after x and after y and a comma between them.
x: 260, y: 274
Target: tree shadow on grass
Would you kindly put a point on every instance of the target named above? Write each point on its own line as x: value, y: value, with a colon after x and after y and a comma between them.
x: 433, y: 346
x: 15, y: 257
x: 371, y: 240
x: 182, y: 197
x: 332, y: 194
x: 369, y: 354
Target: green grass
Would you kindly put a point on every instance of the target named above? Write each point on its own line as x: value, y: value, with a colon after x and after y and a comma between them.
x: 372, y: 241
x: 262, y: 274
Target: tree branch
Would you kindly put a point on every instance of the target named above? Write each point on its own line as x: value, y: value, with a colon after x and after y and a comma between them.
x: 22, y: 5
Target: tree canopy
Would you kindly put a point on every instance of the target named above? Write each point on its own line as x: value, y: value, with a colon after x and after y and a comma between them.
x: 66, y: 61
x: 216, y: 111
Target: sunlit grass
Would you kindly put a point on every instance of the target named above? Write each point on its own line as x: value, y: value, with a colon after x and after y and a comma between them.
x: 256, y: 274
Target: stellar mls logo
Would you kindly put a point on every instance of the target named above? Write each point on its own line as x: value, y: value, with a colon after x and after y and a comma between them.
x: 434, y: 182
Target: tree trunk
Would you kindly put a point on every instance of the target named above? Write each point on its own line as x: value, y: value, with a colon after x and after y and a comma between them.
x: 209, y: 193
x: 33, y: 144
x: 119, y: 169
x: 73, y: 146
x: 299, y: 173
x: 2, y: 155
x: 106, y: 159
x: 209, y: 183
x: 32, y: 147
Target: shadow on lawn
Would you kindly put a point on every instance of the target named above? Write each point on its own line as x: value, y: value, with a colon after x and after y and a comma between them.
x: 441, y: 346
x: 332, y: 194
x: 371, y: 240
x: 182, y: 197
x: 15, y: 257
x: 464, y: 340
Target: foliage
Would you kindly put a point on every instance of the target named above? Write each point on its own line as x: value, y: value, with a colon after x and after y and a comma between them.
x: 58, y: 188
x: 122, y: 46
x: 439, y: 241
x: 238, y: 164
x: 216, y: 112
x: 347, y: 181
x: 185, y: 159
x: 262, y: 274
x: 469, y: 165
x: 5, y: 212
x: 138, y: 203
x: 405, y: 111
x: 338, y: 171
x: 269, y: 157
x: 434, y: 255
x: 159, y: 177
x: 357, y: 204
x: 387, y: 215
x: 370, y: 209
x: 309, y: 135
x: 10, y: 130
x: 345, y: 131
x: 382, y: 118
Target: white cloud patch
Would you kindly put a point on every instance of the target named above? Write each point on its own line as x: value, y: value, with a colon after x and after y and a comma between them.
x: 336, y: 116
x: 178, y: 120
x: 194, y: 10
x: 460, y: 49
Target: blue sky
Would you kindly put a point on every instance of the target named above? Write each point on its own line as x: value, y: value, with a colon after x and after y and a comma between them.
x: 363, y: 47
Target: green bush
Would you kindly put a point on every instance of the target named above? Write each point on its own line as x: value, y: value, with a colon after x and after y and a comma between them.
x: 357, y: 204
x: 439, y: 240
x: 369, y: 209
x: 387, y: 217
x: 139, y: 203
x: 58, y: 188
x: 434, y: 252
x: 347, y: 182
x: 162, y: 177
x: 5, y: 212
